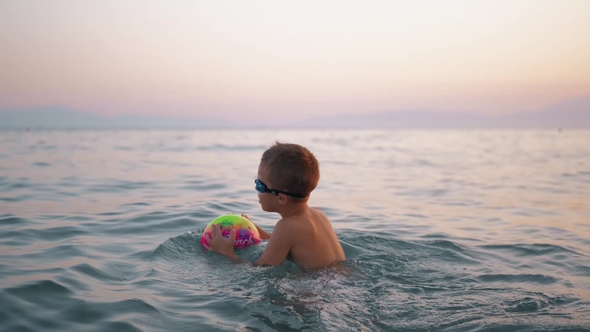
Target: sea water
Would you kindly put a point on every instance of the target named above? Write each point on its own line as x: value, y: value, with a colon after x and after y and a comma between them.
x: 443, y: 231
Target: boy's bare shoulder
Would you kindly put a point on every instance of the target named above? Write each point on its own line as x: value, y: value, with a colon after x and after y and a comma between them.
x: 294, y: 222
x: 287, y: 224
x: 306, y: 222
x: 319, y: 212
x: 292, y: 229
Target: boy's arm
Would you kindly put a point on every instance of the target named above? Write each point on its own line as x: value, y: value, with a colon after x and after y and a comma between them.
x: 274, y: 254
x: 263, y: 234
x: 278, y: 246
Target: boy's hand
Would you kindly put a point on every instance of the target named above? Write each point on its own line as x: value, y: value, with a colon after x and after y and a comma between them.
x: 245, y: 216
x: 220, y: 244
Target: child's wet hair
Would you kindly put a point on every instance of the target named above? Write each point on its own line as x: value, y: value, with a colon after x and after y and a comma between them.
x: 291, y: 167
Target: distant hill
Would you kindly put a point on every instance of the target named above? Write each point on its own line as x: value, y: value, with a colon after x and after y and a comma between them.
x: 573, y: 113
x: 62, y: 117
x: 400, y: 119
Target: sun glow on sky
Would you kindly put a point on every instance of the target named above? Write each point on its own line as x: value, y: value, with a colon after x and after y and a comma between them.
x: 292, y: 58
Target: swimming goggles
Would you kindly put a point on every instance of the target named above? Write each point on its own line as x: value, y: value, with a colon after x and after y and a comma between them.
x: 262, y: 188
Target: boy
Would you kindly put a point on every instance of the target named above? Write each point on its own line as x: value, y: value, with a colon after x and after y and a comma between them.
x: 287, y: 175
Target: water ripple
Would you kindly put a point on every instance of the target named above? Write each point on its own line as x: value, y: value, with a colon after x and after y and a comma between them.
x: 443, y: 231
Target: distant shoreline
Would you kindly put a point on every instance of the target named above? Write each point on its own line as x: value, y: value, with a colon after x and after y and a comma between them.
x: 38, y: 129
x: 567, y: 115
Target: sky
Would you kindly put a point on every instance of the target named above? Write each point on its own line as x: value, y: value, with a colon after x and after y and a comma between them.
x: 265, y: 60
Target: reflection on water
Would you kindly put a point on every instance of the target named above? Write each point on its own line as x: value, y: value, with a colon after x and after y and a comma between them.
x: 444, y: 230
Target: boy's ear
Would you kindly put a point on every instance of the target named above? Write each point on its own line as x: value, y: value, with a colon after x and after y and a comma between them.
x: 283, y: 199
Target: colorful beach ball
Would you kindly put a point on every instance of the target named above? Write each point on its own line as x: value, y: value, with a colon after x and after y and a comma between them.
x: 246, y: 232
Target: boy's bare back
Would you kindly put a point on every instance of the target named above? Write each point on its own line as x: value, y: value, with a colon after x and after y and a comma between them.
x: 307, y: 239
